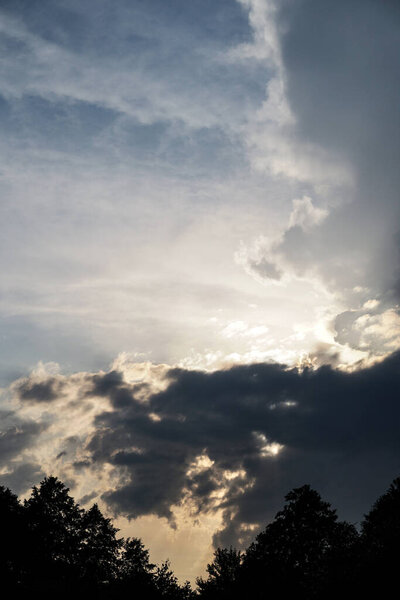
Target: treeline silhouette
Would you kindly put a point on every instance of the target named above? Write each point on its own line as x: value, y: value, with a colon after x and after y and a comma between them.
x: 52, y: 547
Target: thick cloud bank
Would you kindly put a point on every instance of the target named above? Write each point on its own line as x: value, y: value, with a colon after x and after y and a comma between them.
x: 338, y: 72
x: 233, y: 440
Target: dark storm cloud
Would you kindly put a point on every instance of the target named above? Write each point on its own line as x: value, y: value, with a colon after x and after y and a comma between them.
x: 22, y: 477
x: 87, y: 498
x: 16, y: 435
x: 39, y: 391
x: 331, y: 423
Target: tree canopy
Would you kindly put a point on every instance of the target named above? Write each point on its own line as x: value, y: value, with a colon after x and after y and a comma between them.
x: 50, y: 545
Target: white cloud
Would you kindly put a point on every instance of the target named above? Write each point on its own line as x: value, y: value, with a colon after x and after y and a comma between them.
x: 267, y: 449
x: 379, y: 333
x: 305, y: 214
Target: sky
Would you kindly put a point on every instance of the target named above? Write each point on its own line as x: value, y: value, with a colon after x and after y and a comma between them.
x: 200, y: 235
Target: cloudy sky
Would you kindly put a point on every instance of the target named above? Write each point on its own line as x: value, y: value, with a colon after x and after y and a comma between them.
x: 200, y: 238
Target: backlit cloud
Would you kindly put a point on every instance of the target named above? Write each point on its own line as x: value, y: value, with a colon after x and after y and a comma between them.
x: 229, y: 441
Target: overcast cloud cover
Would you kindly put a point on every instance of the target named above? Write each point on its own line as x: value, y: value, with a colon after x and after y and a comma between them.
x: 199, y: 252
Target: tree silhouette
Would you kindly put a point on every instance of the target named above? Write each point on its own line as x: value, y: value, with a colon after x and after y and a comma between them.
x: 300, y: 550
x: 167, y: 585
x: 13, y: 537
x: 135, y: 559
x: 223, y: 574
x: 380, y: 542
x: 99, y: 553
x: 56, y: 534
x: 52, y: 547
x: 136, y: 570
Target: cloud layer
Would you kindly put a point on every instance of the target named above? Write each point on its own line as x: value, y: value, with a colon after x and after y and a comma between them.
x: 146, y: 147
x: 233, y: 440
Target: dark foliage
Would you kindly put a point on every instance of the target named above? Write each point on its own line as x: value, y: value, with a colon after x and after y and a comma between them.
x: 223, y: 575
x: 55, y: 536
x: 307, y: 554
x: 305, y: 551
x: 380, y: 544
x: 13, y: 555
x: 52, y: 547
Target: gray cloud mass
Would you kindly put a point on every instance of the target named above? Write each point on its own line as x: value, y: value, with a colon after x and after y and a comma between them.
x: 338, y: 431
x: 342, y: 69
